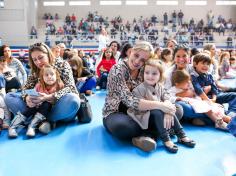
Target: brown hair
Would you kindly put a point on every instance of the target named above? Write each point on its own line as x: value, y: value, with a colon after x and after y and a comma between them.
x: 154, y: 62
x: 59, y: 83
x: 202, y: 57
x: 180, y: 76
x: 42, y: 47
x: 223, y: 55
x: 164, y: 53
x: 76, y: 60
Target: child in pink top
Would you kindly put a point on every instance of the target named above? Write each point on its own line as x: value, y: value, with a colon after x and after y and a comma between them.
x: 49, y: 82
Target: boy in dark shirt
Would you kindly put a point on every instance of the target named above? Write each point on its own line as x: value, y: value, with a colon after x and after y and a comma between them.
x: 206, y: 88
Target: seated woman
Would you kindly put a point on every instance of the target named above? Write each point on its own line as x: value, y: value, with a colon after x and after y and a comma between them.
x: 12, y: 83
x: 181, y: 62
x: 67, y: 101
x: 122, y: 79
x: 85, y: 81
x: 14, y: 63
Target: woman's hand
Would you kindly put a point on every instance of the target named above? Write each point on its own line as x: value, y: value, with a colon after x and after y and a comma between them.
x: 168, y: 121
x: 37, y: 100
x: 29, y: 101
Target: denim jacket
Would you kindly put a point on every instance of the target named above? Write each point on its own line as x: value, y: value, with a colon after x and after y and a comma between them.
x: 199, y: 81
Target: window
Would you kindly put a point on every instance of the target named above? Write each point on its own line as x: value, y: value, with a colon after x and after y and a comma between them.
x: 196, y: 3
x: 54, y: 3
x: 110, y: 2
x: 225, y: 2
x: 167, y: 2
x: 1, y: 3
x: 79, y: 3
x: 136, y: 2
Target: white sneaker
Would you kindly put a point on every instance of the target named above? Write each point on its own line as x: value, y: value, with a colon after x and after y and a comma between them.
x: 12, y: 132
x: 145, y: 143
x: 220, y: 124
x: 30, y: 132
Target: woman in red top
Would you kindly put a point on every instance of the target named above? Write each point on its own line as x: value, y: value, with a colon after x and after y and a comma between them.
x: 104, y: 67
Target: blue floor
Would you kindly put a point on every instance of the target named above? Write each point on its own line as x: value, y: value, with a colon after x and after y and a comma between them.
x: 87, y: 150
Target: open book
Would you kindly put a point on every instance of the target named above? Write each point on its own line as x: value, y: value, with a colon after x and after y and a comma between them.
x: 201, y: 106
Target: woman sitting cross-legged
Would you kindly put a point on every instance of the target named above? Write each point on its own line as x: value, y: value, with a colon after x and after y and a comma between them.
x: 122, y: 79
x: 49, y: 82
x: 66, y: 100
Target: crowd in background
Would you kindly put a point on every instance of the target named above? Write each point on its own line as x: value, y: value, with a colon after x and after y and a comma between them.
x: 172, y: 25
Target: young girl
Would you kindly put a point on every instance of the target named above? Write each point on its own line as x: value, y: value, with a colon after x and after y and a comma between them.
x: 152, y: 89
x: 49, y: 82
x: 224, y: 66
x: 166, y: 57
x: 104, y: 67
x: 84, y: 80
x: 183, y: 90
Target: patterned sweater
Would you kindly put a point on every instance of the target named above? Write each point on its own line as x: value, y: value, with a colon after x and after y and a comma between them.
x: 119, y: 89
x: 66, y: 75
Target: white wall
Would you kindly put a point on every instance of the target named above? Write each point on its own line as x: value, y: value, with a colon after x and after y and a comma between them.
x: 129, y: 12
x: 16, y: 20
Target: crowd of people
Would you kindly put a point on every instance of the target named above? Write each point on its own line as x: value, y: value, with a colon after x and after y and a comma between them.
x: 172, y: 25
x: 150, y: 93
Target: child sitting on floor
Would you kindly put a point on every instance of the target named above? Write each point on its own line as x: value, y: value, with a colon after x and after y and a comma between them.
x: 183, y: 90
x: 162, y: 121
x: 49, y: 82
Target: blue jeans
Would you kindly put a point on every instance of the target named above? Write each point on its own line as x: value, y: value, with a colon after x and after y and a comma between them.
x: 227, y: 97
x: 88, y: 85
x: 103, y: 80
x: 189, y: 112
x: 65, y: 108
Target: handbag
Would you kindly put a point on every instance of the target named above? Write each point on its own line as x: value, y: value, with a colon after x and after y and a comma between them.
x: 85, y: 111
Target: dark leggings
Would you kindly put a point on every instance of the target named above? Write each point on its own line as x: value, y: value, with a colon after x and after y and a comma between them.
x: 156, y: 121
x: 124, y: 127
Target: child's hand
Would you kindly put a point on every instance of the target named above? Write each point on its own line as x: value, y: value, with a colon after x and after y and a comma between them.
x: 168, y: 121
x: 207, y: 89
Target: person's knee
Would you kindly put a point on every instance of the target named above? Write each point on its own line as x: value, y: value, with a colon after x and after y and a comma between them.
x: 122, y: 130
x: 157, y: 113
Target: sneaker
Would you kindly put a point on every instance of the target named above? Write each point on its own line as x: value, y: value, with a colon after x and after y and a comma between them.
x: 98, y: 87
x: 12, y: 133
x: 30, y: 132
x: 45, y: 127
x: 220, y: 124
x: 144, y: 143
